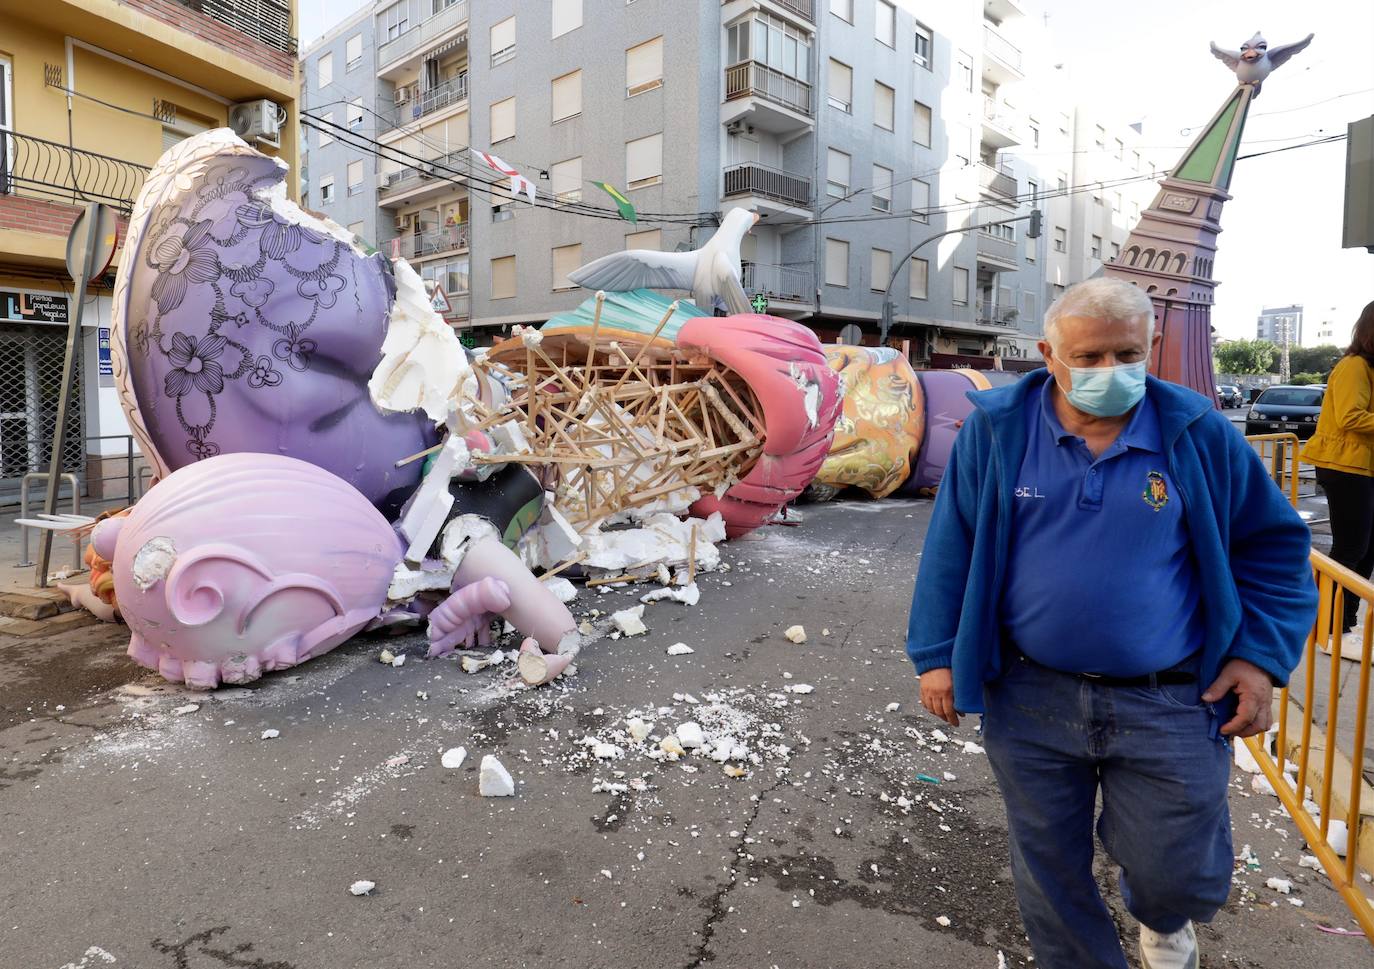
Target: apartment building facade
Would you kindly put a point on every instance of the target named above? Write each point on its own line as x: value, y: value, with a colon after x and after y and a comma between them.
x: 91, y: 94
x: 1280, y: 324
x: 857, y: 129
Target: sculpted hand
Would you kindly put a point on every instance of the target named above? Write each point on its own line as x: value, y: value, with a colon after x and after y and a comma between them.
x: 1256, y: 691
x: 937, y: 694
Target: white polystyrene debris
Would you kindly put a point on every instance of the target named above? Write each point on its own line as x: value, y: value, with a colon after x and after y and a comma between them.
x: 427, y: 510
x: 271, y: 734
x: 802, y: 688
x: 688, y: 595
x: 971, y: 748
x: 1309, y: 861
x: 1338, y: 836
x: 671, y: 746
x: 423, y: 365
x: 1260, y: 785
x: 407, y: 580
x: 943, y: 920
x: 939, y: 736
x: 690, y: 735
x: 628, y: 621
x: 564, y: 590
x: 361, y: 887
x: 494, y: 780
x: 796, y: 634
x: 680, y: 649
x: 509, y: 438
x: 399, y: 661
x: 1244, y: 759
x: 1281, y: 885
x: 453, y: 757
x: 183, y: 710
x: 153, y: 561
x: 638, y: 729
x: 662, y: 537
x: 605, y: 751
x: 893, y: 707
x: 386, y: 656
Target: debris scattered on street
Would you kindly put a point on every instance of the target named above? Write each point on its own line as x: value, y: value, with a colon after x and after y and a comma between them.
x: 1281, y: 885
x: 494, y: 779
x: 271, y: 734
x: 181, y: 711
x: 680, y: 649
x: 796, y: 634
x: 453, y: 757
x: 361, y: 887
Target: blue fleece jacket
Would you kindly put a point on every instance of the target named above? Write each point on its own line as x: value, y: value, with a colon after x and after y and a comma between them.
x: 1258, y: 597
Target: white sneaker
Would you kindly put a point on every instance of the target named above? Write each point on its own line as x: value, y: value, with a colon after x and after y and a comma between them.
x: 1177, y: 950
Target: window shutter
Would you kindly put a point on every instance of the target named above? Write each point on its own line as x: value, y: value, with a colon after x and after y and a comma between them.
x: 503, y: 35
x: 836, y: 262
x: 883, y: 106
x: 567, y: 15
x: 920, y: 279
x: 841, y: 82
x: 353, y: 50
x: 503, y: 277
x: 644, y: 66
x: 880, y: 268
x: 644, y: 159
x: 565, y: 260
x: 566, y: 179
x: 567, y: 96
x: 648, y: 239
x: 503, y: 120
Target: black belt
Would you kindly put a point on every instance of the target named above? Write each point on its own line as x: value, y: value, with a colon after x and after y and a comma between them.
x: 1150, y: 680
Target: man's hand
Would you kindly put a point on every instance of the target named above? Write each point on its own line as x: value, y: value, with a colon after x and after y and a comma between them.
x: 937, y: 694
x: 1256, y: 691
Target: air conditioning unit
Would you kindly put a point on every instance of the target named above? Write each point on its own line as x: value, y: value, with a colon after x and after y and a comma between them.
x: 402, y: 94
x: 402, y: 223
x: 735, y: 127
x: 258, y: 121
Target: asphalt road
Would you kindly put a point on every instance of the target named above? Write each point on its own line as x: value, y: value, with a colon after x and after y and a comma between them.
x: 137, y: 836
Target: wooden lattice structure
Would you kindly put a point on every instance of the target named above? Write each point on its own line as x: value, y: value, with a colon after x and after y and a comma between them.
x: 615, y: 420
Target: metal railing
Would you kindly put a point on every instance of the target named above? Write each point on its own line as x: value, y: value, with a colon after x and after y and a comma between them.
x: 1001, y: 48
x: 1000, y: 116
x: 802, y: 8
x: 37, y: 168
x: 751, y: 78
x: 440, y: 171
x: 1000, y: 181
x: 452, y: 91
x: 268, y: 21
x: 422, y: 33
x: 996, y: 249
x: 989, y: 312
x: 793, y: 282
x: 751, y: 178
x: 430, y: 242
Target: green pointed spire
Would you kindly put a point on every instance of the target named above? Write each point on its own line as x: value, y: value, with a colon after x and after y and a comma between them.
x: 1213, y: 155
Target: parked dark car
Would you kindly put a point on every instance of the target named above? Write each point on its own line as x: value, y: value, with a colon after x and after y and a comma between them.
x: 1230, y: 396
x: 1286, y: 408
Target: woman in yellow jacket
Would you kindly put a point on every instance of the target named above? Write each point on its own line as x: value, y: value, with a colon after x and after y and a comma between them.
x: 1343, y: 451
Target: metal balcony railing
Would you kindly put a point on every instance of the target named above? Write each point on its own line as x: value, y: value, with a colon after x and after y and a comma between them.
x: 996, y: 249
x: 990, y: 313
x: 452, y: 91
x: 751, y: 78
x: 793, y: 282
x: 802, y: 8
x: 37, y: 168
x: 1001, y: 48
x: 422, y: 33
x: 416, y: 245
x: 999, y: 181
x: 268, y: 21
x: 443, y: 170
x: 751, y: 178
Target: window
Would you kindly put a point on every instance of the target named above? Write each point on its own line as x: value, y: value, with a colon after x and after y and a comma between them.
x: 841, y: 94
x: 567, y: 16
x: 324, y: 69
x: 567, y: 96
x: 879, y: 270
x: 884, y: 110
x: 882, y: 189
x: 920, y: 123
x: 965, y: 75
x: 502, y: 210
x: 644, y: 67
x: 355, y: 177
x: 566, y: 179
x: 355, y: 113
x: 1061, y: 239
x: 960, y: 286
x: 502, y: 41
x: 1096, y: 250
x: 325, y: 136
x: 395, y: 20
x: 920, y: 278
x: 1116, y: 251
x: 920, y: 201
x: 1031, y: 246
x: 644, y: 161
x: 836, y: 262
x: 1097, y: 198
x: 1136, y: 160
x: 651, y: 239
x: 1063, y: 182
x: 885, y: 26
x: 327, y: 189
x: 844, y: 9
x: 776, y: 43
x: 837, y: 173
x: 1035, y: 136
x: 1100, y: 138
x: 1120, y: 150
x: 353, y: 51
x: 565, y: 260
x: 1033, y: 190
x: 924, y: 39
x: 502, y: 120
x: 503, y: 277
x: 1116, y: 201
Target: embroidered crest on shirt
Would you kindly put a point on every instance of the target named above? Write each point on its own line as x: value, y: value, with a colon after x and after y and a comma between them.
x: 1156, y: 490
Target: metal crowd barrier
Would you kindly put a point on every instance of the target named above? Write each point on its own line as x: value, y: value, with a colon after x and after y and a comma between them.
x: 24, y: 483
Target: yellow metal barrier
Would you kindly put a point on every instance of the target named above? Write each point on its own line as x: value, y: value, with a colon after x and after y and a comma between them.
x: 1279, y: 452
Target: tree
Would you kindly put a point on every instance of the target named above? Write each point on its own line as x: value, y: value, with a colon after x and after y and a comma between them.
x: 1302, y: 379
x: 1318, y: 360
x: 1244, y: 356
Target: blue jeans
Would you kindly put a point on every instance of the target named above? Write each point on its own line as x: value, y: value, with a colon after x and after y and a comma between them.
x: 1055, y: 741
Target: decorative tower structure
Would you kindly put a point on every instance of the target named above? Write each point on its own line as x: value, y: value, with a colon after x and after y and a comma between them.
x: 1170, y: 251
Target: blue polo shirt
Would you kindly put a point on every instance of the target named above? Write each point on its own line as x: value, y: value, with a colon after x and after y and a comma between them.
x: 1101, y: 577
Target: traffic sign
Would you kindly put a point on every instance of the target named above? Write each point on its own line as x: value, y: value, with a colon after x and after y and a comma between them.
x: 439, y: 300
x: 760, y: 303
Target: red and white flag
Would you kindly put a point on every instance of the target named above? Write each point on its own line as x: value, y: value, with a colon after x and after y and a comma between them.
x: 518, y: 183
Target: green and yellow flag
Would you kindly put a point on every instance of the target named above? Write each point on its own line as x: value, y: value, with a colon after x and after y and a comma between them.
x: 627, y: 211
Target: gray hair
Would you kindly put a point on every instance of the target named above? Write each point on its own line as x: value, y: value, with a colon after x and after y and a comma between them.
x: 1101, y: 298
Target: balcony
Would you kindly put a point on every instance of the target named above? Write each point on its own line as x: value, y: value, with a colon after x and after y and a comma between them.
x: 1001, y: 11
x: 1000, y: 127
x: 990, y: 314
x: 773, y: 100
x: 422, y: 103
x: 780, y: 196
x: 997, y: 182
x: 996, y: 254
x: 805, y: 9
x: 794, y: 283
x: 41, y: 169
x: 1002, y: 60
x: 419, y: 38
x: 432, y: 242
x: 267, y: 21
x: 439, y: 176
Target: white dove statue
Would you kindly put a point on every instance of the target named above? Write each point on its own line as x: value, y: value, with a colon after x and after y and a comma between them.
x: 1256, y: 60
x: 709, y: 272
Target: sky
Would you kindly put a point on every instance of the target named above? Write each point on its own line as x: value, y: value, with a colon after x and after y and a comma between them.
x: 1281, y: 233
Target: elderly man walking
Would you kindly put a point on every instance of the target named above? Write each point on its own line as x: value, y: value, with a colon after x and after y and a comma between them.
x: 1114, y: 582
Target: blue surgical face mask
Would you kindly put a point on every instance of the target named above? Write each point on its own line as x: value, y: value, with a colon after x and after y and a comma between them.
x: 1107, y: 391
